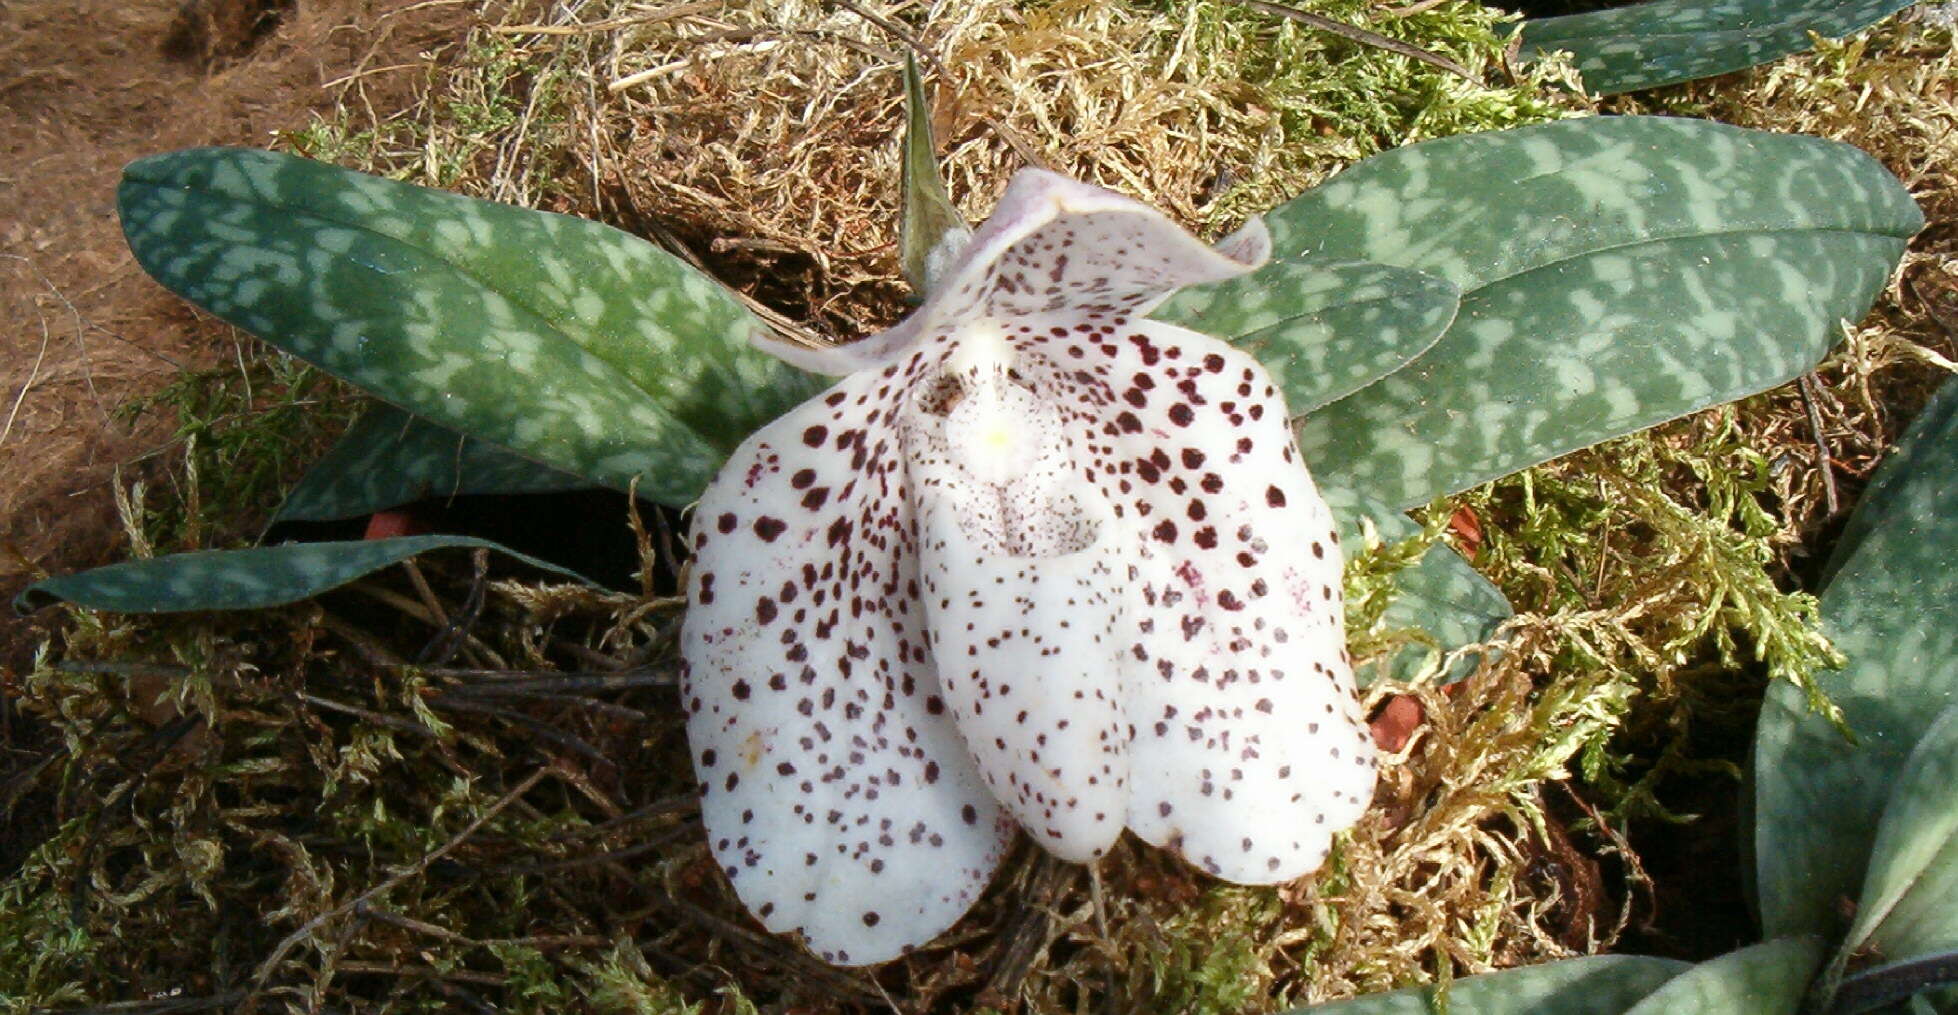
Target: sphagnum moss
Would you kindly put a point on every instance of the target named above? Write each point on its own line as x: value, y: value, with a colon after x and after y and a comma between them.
x: 296, y: 767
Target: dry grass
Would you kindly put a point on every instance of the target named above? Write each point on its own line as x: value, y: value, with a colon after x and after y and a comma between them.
x: 343, y: 803
x: 764, y: 135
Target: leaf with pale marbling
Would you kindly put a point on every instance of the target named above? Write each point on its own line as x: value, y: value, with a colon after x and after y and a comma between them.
x: 389, y: 458
x: 1325, y: 328
x: 1646, y: 45
x: 1593, y: 985
x: 1616, y: 272
x: 1763, y: 979
x: 568, y: 341
x: 246, y: 579
x: 1891, y: 607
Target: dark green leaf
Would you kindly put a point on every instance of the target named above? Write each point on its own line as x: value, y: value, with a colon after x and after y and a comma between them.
x: 1324, y: 328
x: 1889, y: 499
x: 1616, y: 272
x: 1927, y: 985
x: 1595, y: 985
x: 244, y: 579
x: 1764, y: 979
x: 388, y: 458
x: 1892, y: 608
x: 1646, y: 45
x: 565, y: 340
x: 1909, y: 906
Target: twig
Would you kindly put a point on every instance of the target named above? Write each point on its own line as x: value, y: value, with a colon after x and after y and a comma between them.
x: 1026, y: 934
x: 424, y: 593
x: 458, y: 975
x: 1094, y: 893
x: 1414, y: 8
x: 1353, y: 33
x: 410, y: 608
x: 684, y: 804
x: 561, y: 685
x: 166, y: 671
x: 443, y: 647
x: 540, y: 942
x: 34, y: 374
x: 368, y: 715
x: 902, y: 35
x: 778, y: 322
x: 160, y: 1007
x: 541, y: 730
x: 1824, y: 460
x: 673, y: 13
x: 550, y: 866
x: 292, y: 940
x: 772, y: 949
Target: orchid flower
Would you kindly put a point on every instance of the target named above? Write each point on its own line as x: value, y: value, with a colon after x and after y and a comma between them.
x: 1033, y: 562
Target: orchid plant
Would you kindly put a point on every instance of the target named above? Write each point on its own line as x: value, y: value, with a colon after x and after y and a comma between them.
x: 1047, y: 557
x: 1036, y: 561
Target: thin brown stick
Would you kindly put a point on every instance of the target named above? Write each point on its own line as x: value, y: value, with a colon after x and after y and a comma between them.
x: 163, y: 1007
x: 117, y: 669
x: 542, y: 731
x: 292, y: 940
x: 902, y: 34
x: 369, y: 715
x: 1414, y: 8
x: 672, y: 13
x: 1361, y: 36
x: 427, y: 972
x: 561, y: 685
x: 1824, y: 461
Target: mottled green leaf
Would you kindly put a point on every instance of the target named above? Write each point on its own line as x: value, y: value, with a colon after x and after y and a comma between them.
x: 1324, y: 328
x: 388, y: 458
x: 1891, y: 606
x: 568, y: 341
x: 1909, y: 905
x: 1440, y: 594
x: 1661, y: 43
x: 1763, y: 979
x: 245, y: 579
x: 1594, y: 985
x: 1616, y: 272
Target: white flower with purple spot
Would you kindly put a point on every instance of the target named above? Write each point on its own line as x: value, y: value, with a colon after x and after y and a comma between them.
x: 1034, y: 562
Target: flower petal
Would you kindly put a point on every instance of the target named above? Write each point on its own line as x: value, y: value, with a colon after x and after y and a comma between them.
x: 1250, y: 751
x: 837, y: 795
x: 1022, y: 569
x: 1053, y: 245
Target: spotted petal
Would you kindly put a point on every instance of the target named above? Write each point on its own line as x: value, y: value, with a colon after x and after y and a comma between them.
x: 1035, y: 560
x: 1248, y: 739
x: 837, y: 796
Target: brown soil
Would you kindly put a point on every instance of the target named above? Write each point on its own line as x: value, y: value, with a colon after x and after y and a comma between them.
x: 85, y: 87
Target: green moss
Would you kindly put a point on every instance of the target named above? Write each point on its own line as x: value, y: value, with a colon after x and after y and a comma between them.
x: 244, y: 431
x: 1668, y: 537
x: 1217, y: 960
